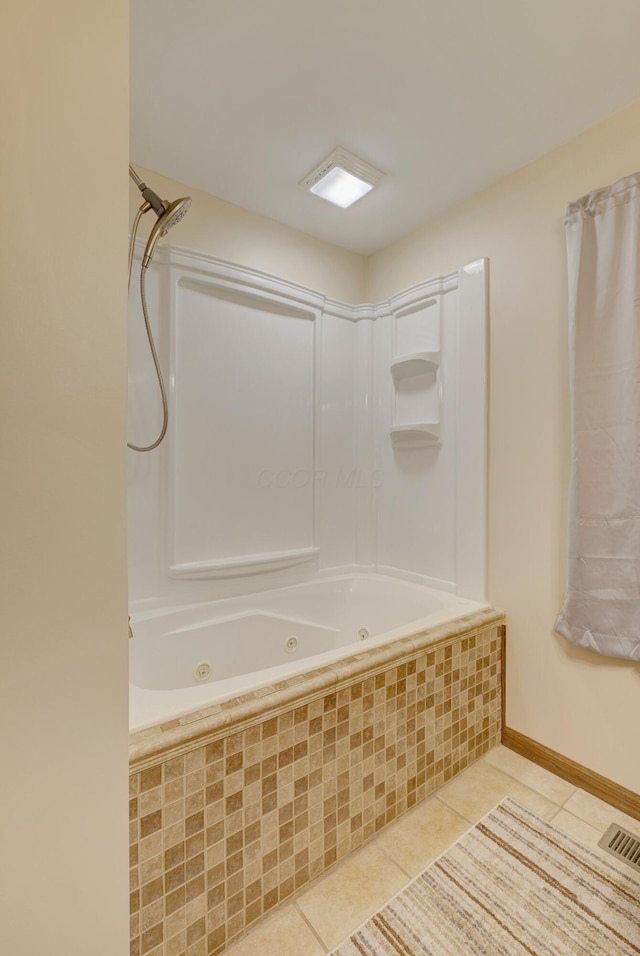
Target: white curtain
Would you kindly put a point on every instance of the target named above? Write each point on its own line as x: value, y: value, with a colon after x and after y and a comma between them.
x: 602, y: 605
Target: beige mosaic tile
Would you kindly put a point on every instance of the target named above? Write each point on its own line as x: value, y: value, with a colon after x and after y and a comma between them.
x: 226, y: 830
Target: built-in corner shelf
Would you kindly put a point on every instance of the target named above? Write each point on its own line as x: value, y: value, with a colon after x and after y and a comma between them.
x: 417, y: 363
x: 417, y: 435
x: 416, y: 374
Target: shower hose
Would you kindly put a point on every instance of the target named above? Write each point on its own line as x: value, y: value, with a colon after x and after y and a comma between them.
x: 152, y: 346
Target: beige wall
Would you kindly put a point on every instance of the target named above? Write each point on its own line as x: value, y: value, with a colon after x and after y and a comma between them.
x: 63, y: 637
x: 220, y: 229
x: 578, y: 703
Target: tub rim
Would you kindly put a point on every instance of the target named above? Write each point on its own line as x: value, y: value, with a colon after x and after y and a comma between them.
x: 177, y: 736
x: 149, y: 707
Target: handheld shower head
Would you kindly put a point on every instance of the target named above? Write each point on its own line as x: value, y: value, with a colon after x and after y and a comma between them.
x: 168, y: 213
x: 173, y: 213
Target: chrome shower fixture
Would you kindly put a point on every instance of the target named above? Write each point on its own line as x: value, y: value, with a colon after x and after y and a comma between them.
x: 168, y: 213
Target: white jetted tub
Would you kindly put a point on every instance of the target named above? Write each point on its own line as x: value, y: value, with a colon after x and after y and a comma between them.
x: 185, y: 658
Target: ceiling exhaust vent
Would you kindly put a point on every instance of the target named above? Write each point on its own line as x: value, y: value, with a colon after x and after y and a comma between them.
x: 624, y: 845
x: 342, y: 178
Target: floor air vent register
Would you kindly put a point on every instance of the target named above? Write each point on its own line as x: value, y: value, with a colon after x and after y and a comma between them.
x: 622, y: 844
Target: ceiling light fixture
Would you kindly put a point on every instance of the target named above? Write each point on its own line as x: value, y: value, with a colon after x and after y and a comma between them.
x: 342, y: 178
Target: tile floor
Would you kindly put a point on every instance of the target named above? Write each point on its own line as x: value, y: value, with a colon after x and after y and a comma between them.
x: 334, y: 905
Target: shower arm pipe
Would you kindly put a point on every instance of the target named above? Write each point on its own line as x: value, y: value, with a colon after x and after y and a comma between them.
x: 135, y: 177
x: 155, y: 203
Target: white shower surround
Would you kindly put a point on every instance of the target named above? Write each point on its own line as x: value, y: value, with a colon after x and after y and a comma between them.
x: 289, y: 440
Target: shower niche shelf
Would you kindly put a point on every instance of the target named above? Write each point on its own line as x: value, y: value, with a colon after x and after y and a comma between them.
x: 415, y: 371
x: 415, y: 364
x: 416, y: 435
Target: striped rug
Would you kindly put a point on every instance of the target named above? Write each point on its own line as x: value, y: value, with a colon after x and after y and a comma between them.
x: 512, y: 885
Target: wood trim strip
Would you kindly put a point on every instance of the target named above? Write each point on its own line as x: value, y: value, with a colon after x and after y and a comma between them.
x: 503, y: 676
x: 594, y: 783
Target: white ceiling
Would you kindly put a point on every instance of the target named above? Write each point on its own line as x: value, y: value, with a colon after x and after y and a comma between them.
x: 242, y: 98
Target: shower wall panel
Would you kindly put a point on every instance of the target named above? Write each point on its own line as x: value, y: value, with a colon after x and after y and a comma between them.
x: 335, y: 476
x: 256, y: 484
x: 430, y: 387
x: 306, y: 434
x: 242, y: 428
x: 416, y: 500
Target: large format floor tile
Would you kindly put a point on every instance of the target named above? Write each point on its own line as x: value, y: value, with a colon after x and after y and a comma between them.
x: 283, y: 934
x: 537, y: 778
x: 339, y: 902
x: 420, y: 836
x: 598, y: 813
x: 479, y: 788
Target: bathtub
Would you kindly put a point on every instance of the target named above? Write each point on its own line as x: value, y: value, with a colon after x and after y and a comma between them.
x: 185, y: 658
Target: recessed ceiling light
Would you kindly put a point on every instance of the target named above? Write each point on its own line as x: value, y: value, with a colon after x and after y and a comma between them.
x: 342, y: 178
